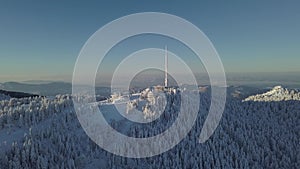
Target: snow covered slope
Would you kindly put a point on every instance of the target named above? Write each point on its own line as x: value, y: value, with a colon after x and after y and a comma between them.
x: 278, y: 93
x: 44, y: 132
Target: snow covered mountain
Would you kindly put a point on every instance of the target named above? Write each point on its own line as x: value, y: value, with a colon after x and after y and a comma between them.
x: 278, y: 93
x: 43, y: 132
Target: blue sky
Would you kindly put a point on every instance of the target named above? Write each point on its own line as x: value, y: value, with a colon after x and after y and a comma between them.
x: 41, y: 40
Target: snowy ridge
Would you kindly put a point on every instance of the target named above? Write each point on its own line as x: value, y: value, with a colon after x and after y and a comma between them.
x: 278, y: 93
x: 44, y: 132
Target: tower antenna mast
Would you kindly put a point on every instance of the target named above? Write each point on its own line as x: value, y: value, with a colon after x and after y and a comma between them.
x: 166, y: 66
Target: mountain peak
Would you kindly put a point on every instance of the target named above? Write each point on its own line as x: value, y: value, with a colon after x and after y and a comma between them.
x: 278, y: 93
x: 278, y: 88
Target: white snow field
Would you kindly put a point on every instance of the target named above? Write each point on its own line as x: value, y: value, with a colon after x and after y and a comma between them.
x: 43, y: 132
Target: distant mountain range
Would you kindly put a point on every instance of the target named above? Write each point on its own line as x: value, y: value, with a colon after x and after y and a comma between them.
x: 38, y: 81
x: 45, y: 89
x: 245, y: 93
x: 241, y: 92
x: 10, y: 94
